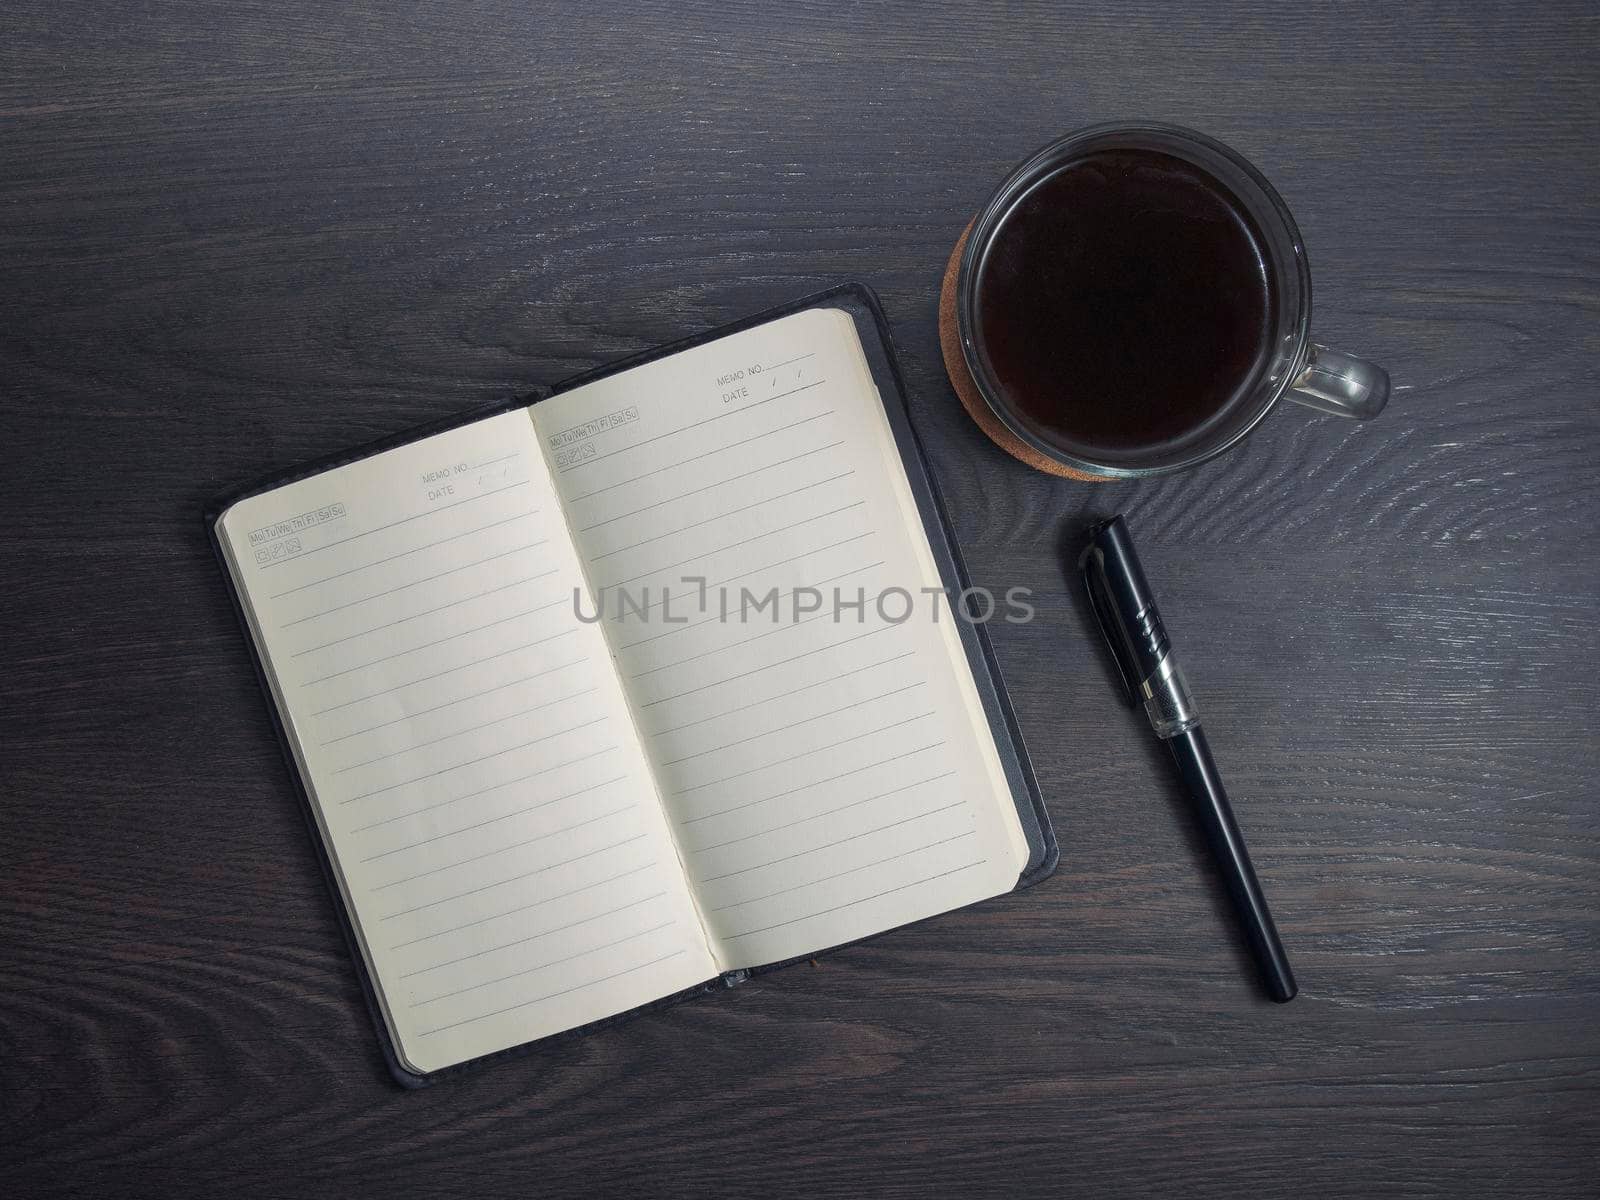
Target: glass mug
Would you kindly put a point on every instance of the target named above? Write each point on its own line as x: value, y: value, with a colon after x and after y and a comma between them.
x: 1285, y: 364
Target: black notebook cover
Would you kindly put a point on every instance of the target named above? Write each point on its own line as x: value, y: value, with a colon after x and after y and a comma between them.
x: 859, y: 302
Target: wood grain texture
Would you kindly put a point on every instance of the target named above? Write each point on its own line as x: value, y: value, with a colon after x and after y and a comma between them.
x: 236, y: 236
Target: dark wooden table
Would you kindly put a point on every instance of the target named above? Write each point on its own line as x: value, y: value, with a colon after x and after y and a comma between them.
x: 236, y: 236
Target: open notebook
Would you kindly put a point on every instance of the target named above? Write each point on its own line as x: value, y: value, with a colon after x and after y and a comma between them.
x: 593, y: 700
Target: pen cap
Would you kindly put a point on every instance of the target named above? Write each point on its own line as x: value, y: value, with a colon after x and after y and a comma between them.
x: 1123, y: 603
x: 1126, y: 610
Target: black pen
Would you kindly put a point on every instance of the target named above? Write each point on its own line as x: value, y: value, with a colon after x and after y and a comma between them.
x: 1126, y: 610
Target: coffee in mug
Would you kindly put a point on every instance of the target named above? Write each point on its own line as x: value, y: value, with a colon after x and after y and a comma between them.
x: 1134, y: 299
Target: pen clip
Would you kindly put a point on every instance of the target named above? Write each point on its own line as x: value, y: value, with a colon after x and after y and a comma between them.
x: 1091, y: 564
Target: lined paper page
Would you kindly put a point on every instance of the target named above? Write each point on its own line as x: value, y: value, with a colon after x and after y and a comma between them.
x: 471, y: 756
x: 828, y: 774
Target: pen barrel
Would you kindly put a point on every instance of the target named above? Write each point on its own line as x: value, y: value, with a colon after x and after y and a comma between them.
x: 1199, y: 773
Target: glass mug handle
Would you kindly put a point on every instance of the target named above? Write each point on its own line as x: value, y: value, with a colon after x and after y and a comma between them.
x: 1341, y: 384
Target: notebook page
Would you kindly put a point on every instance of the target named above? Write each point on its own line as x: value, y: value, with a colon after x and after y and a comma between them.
x: 828, y: 772
x: 470, y: 756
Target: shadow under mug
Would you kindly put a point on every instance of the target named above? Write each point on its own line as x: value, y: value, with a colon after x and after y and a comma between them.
x: 1293, y: 367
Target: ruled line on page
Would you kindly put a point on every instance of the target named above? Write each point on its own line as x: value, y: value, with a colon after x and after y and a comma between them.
x: 732, y: 512
x: 532, y: 937
x: 437, y: 642
x: 765, y: 567
x: 789, y: 362
x: 497, y: 461
x: 768, y: 666
x: 701, y: 555
x: 402, y: 521
x: 414, y: 583
x: 732, y: 412
x: 532, y: 841
x: 521, y: 812
x: 584, y: 953
x: 422, y: 712
x: 550, y: 995
x: 493, y: 787
x: 571, y: 599
x: 427, y: 612
x: 782, y: 628
x: 793, y: 624
x: 832, y: 712
x: 511, y: 912
x: 841, y: 874
x: 515, y: 878
x: 749, y: 837
x: 378, y: 562
x: 863, y: 900
x: 932, y: 812
x: 708, y: 487
x: 697, y: 457
x: 783, y: 696
x: 463, y: 732
x: 496, y: 656
x: 778, y: 762
x: 712, y: 616
x: 473, y: 761
x: 722, y: 812
x: 543, y: 837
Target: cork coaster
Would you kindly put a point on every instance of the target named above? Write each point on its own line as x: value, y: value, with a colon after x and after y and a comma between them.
x: 955, y: 365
